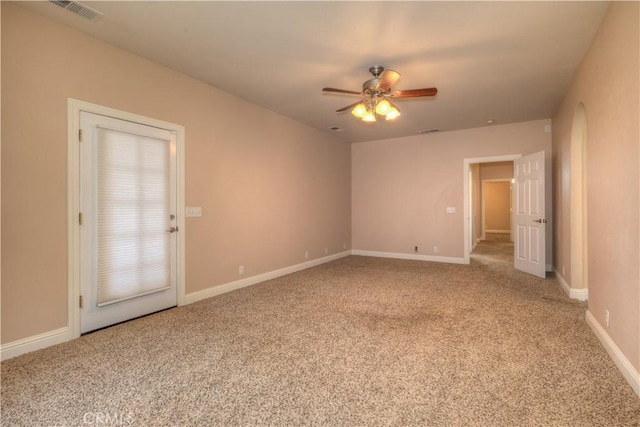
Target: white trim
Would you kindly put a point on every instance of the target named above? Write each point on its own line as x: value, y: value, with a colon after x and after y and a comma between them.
x: 73, y: 228
x: 466, y: 164
x: 626, y: 368
x: 498, y: 231
x: 74, y: 106
x: 36, y: 342
x: 578, y: 208
x: 577, y: 294
x: 249, y: 281
x: 395, y: 255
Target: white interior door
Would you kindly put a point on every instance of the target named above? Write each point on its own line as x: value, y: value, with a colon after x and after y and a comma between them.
x: 128, y: 245
x: 530, y: 223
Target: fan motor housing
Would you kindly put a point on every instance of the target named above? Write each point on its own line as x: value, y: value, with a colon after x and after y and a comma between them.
x: 369, y: 85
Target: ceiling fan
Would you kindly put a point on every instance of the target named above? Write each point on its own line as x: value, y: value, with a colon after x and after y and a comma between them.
x: 375, y: 93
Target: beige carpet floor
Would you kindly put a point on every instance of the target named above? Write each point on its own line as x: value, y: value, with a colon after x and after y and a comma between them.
x: 355, y: 342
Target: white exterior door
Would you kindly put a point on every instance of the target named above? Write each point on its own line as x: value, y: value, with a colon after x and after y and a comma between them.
x: 128, y: 244
x: 530, y: 221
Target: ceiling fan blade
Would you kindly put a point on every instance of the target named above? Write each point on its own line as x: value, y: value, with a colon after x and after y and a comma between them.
x: 413, y: 93
x: 331, y: 89
x: 348, y: 107
x: 387, y: 79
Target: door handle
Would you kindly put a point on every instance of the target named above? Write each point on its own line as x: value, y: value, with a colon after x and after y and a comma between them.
x: 172, y: 229
x: 540, y: 221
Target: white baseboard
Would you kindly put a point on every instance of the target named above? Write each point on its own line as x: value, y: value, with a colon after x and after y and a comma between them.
x: 628, y: 371
x: 579, y: 294
x: 238, y: 284
x: 416, y: 257
x: 249, y: 281
x: 498, y: 231
x: 36, y: 342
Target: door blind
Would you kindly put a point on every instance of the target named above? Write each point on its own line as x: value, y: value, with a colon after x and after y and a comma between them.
x: 133, y: 208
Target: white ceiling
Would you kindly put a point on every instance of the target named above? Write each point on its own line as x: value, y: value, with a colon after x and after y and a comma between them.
x: 502, y: 61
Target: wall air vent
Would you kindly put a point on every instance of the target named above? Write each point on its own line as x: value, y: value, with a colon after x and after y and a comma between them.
x: 79, y: 9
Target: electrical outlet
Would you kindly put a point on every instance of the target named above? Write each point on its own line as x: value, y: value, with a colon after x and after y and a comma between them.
x: 326, y: 250
x: 241, y: 270
x: 607, y: 318
x: 306, y: 254
x: 435, y: 249
x: 416, y: 249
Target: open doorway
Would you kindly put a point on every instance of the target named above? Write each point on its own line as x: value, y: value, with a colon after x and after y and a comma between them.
x: 496, y: 207
x: 487, y: 169
x: 494, y: 214
x: 530, y: 210
x: 579, y: 272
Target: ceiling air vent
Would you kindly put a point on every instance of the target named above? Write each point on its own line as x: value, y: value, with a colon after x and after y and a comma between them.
x: 423, y: 132
x: 79, y: 9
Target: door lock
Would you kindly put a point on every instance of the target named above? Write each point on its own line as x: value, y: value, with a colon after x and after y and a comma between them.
x: 172, y: 229
x: 540, y: 221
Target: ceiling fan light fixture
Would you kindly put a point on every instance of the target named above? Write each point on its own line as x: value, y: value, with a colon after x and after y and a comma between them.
x: 370, y: 116
x: 393, y: 113
x: 374, y: 95
x: 359, y: 110
x: 383, y: 107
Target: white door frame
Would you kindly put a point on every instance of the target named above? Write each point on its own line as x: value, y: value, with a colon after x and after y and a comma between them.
x: 74, y: 107
x: 466, y: 190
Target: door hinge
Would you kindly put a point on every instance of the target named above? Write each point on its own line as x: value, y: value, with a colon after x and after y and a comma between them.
x: 80, y: 218
x: 80, y: 134
x: 80, y: 301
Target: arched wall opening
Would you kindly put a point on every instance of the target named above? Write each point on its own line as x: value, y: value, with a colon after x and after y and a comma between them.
x: 578, y: 200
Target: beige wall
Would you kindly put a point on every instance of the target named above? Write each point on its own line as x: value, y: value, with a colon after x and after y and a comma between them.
x: 495, y: 170
x: 607, y: 84
x: 497, y: 206
x: 402, y: 187
x: 270, y: 188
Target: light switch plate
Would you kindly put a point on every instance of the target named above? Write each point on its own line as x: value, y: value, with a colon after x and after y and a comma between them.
x: 451, y: 209
x: 193, y: 212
